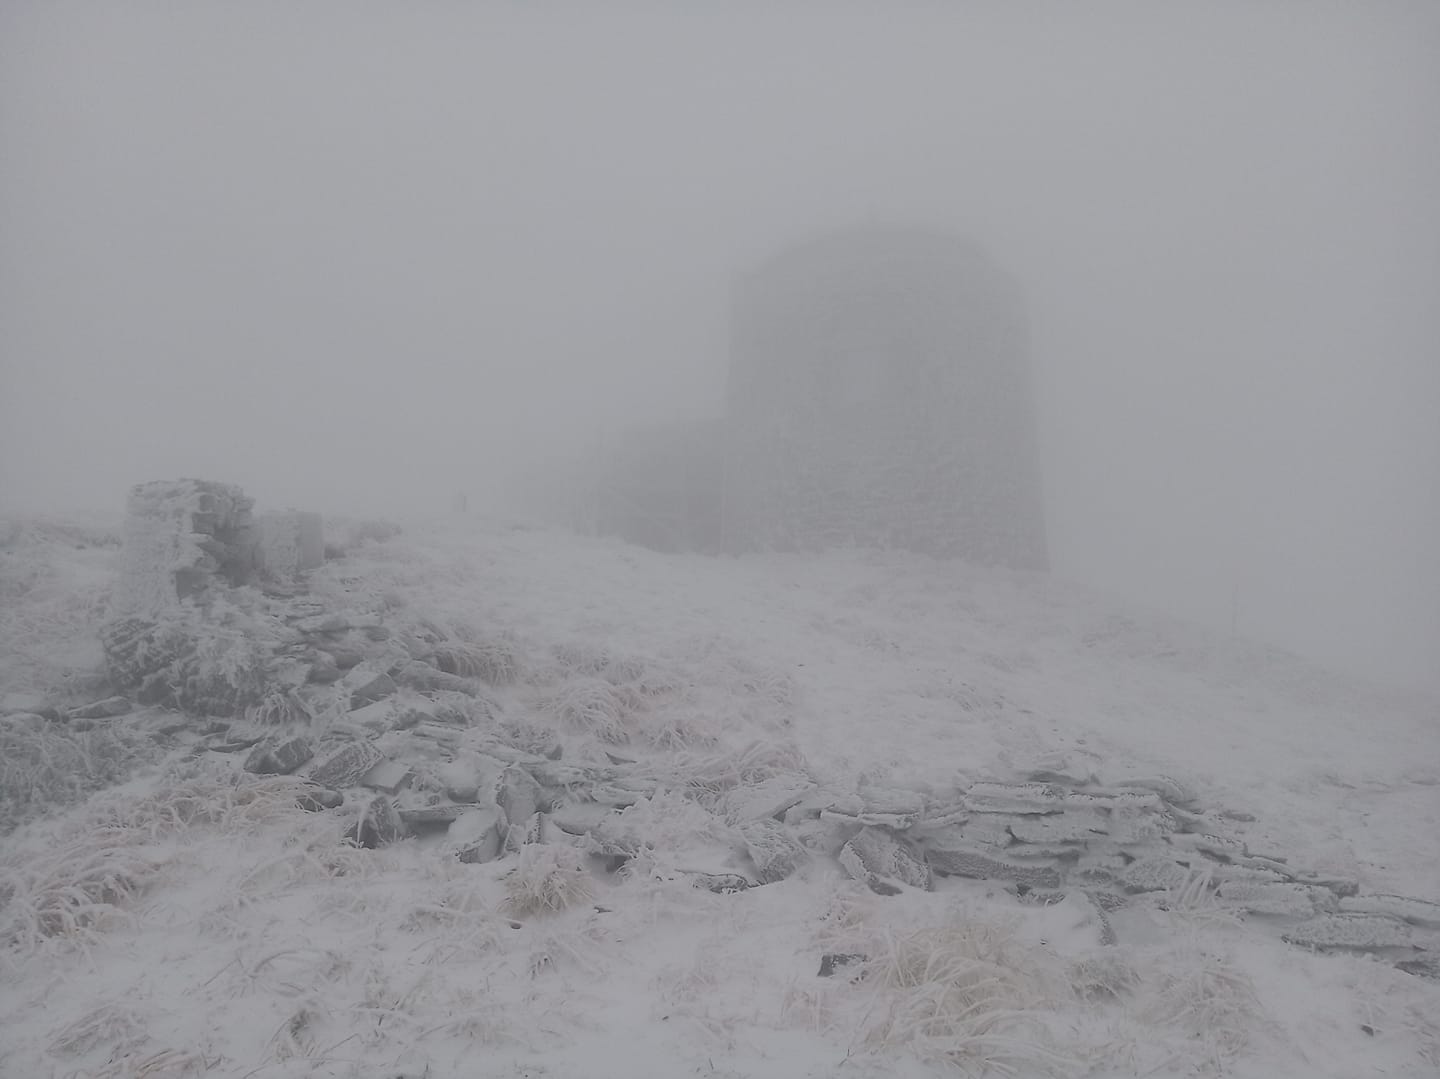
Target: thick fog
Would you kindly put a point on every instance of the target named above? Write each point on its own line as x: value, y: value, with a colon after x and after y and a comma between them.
x: 364, y: 256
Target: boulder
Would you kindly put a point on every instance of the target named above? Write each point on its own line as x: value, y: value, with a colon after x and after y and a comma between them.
x: 105, y: 709
x: 388, y: 776
x: 379, y: 824
x: 981, y: 862
x: 365, y: 684
x: 271, y: 758
x: 345, y: 766
x: 775, y: 852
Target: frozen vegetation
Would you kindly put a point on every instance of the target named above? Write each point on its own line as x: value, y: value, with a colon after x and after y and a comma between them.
x: 609, y: 812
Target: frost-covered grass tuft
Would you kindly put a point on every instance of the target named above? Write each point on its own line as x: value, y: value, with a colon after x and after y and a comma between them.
x: 595, y: 707
x: 548, y: 879
x: 72, y: 890
x: 492, y: 661
x: 46, y: 765
x: 968, y: 994
x: 1206, y: 996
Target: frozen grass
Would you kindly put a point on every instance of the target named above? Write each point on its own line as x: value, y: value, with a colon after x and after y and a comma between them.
x: 1203, y: 995
x: 546, y: 880
x: 56, y: 580
x: 45, y: 765
x: 594, y: 707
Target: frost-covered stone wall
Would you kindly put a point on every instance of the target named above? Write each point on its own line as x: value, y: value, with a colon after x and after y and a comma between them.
x: 879, y: 394
x: 180, y: 536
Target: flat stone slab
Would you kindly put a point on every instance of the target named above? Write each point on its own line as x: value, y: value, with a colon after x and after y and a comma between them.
x: 720, y: 883
x: 771, y: 797
x: 345, y: 766
x: 979, y: 862
x: 883, y: 862
x: 1421, y: 912
x: 1071, y: 826
x: 775, y: 852
x: 1291, y: 900
x: 1353, y: 932
x: 278, y: 759
x: 1155, y: 874
x: 379, y: 824
x: 1017, y: 798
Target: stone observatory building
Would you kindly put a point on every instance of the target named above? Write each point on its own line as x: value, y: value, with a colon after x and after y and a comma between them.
x: 879, y: 394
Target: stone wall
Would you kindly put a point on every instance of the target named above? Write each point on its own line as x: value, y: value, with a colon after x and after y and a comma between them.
x: 180, y: 537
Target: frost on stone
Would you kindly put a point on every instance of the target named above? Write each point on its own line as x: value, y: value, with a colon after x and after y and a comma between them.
x: 775, y: 852
x: 1069, y: 827
x: 1292, y: 900
x: 1421, y: 912
x: 1359, y: 932
x: 883, y: 861
x: 985, y: 863
x: 346, y: 766
x: 1156, y: 873
x: 1016, y: 798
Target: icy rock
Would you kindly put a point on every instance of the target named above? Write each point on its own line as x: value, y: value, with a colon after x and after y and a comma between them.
x: 1357, y: 932
x: 1156, y: 873
x: 517, y: 794
x: 345, y: 766
x: 388, y: 776
x: 720, y: 883
x: 1421, y: 912
x: 1071, y: 826
x: 580, y: 818
x: 1111, y: 799
x: 345, y: 658
x: 365, y: 684
x: 319, y: 799
x: 1020, y: 798
x: 986, y: 863
x: 883, y: 862
x: 428, y: 679
x: 278, y: 759
x: 1167, y: 787
x: 109, y: 707
x: 378, y: 716
x: 991, y: 829
x: 775, y: 852
x: 771, y: 797
x: 324, y: 671
x: 433, y: 818
x: 831, y: 962
x: 379, y: 824
x: 1422, y: 966
x: 1291, y: 900
x: 477, y: 835
x: 1206, y: 843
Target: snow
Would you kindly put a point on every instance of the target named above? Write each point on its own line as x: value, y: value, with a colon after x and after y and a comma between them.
x: 256, y: 946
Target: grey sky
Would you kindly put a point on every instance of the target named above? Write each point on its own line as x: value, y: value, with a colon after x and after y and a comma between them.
x: 359, y: 255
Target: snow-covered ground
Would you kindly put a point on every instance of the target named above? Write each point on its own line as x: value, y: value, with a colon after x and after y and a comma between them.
x: 242, y: 939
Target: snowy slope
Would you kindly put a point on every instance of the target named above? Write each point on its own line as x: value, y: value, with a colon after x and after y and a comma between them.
x: 244, y: 940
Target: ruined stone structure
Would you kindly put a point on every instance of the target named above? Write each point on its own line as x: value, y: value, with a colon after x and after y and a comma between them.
x: 180, y: 536
x: 183, y: 537
x: 879, y: 395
